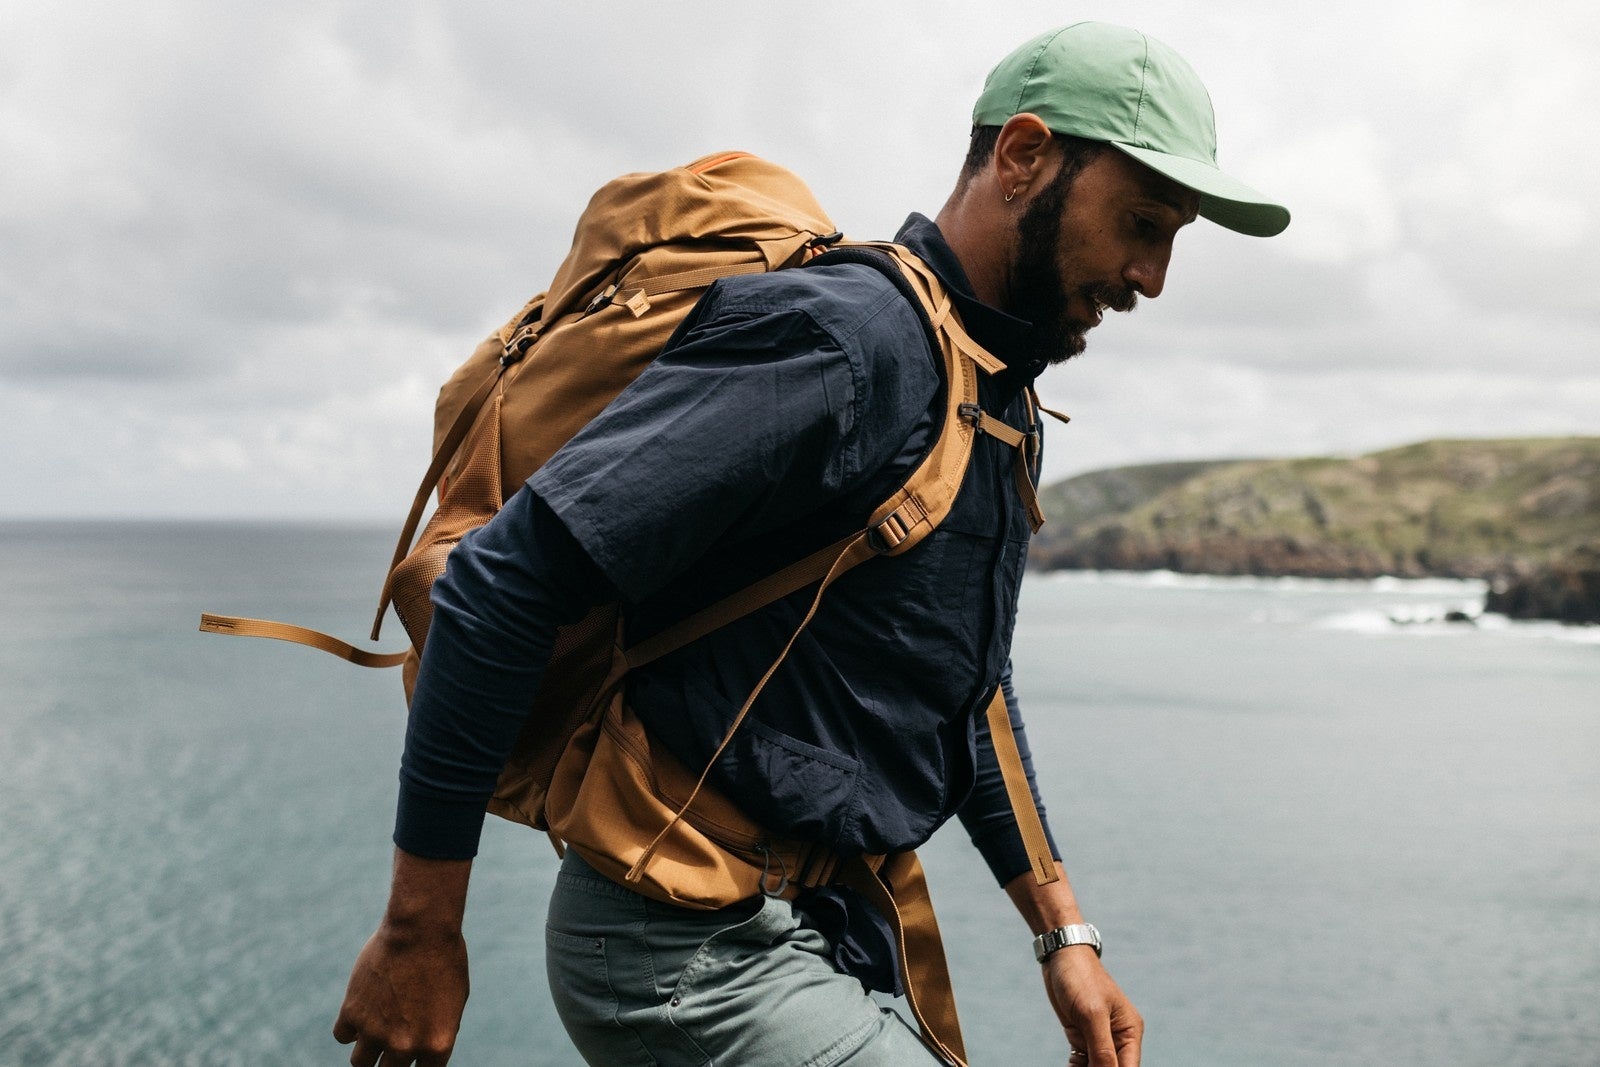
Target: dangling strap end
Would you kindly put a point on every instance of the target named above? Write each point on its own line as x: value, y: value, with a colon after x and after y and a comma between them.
x: 1060, y: 416
x: 239, y: 626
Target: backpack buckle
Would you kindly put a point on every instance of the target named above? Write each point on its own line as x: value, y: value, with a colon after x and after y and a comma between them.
x: 518, y: 345
x: 820, y: 244
x: 888, y: 534
x: 973, y: 414
x: 603, y: 300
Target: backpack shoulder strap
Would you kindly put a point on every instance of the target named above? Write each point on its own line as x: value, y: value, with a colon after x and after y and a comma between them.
x: 897, y: 525
x: 911, y: 512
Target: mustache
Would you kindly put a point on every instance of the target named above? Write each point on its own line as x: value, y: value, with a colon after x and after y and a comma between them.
x: 1115, y: 297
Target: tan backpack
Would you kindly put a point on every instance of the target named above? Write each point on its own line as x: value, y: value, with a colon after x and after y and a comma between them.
x: 583, y: 769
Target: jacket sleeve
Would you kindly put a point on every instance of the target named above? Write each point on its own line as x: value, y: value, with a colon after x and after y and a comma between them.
x: 751, y: 418
x: 748, y: 419
x: 506, y: 588
x: 987, y: 813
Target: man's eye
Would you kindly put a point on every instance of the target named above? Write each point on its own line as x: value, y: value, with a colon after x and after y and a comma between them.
x: 1144, y: 227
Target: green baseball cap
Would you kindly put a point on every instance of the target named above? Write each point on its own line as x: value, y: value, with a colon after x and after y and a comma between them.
x: 1112, y: 84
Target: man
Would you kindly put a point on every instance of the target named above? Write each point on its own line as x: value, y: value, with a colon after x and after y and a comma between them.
x: 785, y: 407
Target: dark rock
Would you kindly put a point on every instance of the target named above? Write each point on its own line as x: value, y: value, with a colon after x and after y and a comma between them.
x: 1568, y: 591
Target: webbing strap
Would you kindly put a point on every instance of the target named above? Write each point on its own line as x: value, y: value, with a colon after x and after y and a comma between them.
x: 1028, y: 459
x: 1022, y: 806
x: 1026, y: 446
x: 849, y: 551
x: 838, y: 557
x: 697, y: 278
x: 994, y: 427
x: 1059, y: 416
x: 952, y: 328
x: 899, y: 891
x: 441, y: 459
x: 237, y: 626
x: 636, y: 872
x: 1030, y: 497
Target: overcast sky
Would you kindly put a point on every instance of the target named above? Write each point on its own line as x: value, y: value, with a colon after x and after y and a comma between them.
x: 241, y: 245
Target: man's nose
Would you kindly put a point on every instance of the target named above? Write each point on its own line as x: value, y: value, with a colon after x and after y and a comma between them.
x: 1147, y: 274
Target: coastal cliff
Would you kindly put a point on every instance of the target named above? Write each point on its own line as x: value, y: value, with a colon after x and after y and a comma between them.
x: 1508, y: 511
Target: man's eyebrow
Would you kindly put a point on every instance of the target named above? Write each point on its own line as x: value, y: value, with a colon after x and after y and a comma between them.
x: 1163, y: 193
x: 1183, y: 201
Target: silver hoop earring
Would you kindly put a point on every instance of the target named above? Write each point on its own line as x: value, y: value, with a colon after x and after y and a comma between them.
x: 1010, y: 195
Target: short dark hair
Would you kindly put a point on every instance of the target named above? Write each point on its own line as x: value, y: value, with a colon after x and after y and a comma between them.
x: 1076, y: 152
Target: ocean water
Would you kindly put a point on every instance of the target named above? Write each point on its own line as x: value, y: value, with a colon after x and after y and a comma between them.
x: 1316, y: 824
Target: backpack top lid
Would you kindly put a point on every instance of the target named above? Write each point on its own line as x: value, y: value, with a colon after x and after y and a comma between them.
x: 730, y: 197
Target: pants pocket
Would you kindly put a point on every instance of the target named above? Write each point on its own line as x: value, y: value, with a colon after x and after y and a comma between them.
x: 580, y: 985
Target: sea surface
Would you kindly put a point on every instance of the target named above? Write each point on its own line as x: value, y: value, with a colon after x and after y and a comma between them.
x: 1316, y: 824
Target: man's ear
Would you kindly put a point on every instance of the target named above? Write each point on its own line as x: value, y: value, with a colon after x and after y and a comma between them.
x: 1023, y: 155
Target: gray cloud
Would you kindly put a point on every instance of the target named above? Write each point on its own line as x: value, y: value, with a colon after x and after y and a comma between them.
x: 241, y: 246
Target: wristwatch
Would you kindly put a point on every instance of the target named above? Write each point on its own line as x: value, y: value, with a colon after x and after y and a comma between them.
x: 1062, y: 936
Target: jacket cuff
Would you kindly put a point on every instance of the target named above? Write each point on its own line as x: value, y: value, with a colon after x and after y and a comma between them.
x: 437, y: 829
x: 1006, y: 857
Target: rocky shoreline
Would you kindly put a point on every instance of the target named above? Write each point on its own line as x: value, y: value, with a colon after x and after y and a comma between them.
x: 1568, y: 591
x: 1523, y: 515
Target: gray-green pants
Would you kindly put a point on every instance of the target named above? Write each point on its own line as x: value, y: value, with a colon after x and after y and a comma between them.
x: 638, y: 982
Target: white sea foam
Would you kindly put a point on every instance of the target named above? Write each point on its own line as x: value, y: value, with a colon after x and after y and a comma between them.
x: 1419, y: 620
x: 1467, y: 587
x: 1429, y: 620
x: 1417, y: 607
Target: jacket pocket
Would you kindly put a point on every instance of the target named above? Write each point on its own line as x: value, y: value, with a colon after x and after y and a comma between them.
x: 793, y: 788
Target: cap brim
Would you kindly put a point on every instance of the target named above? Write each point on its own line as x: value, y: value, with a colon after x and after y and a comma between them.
x: 1225, y: 201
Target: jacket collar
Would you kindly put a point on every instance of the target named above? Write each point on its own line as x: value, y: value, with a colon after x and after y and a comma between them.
x: 1002, y: 333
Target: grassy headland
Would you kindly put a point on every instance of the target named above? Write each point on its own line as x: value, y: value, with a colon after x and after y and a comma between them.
x: 1494, y: 509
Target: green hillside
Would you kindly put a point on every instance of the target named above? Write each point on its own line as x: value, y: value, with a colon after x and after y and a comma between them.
x: 1490, y: 509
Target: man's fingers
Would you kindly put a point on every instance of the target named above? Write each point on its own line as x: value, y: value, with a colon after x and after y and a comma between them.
x: 365, y: 1054
x: 436, y: 1059
x: 1128, y: 1051
x: 1102, y: 1046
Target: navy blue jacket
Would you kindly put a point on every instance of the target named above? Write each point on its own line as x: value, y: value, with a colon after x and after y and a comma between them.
x: 782, y: 411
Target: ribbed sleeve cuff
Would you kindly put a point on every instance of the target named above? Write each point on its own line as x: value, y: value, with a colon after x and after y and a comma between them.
x: 437, y: 829
x: 1004, y: 854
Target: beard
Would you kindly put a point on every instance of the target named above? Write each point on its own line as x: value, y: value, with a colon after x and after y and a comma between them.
x: 1040, y: 290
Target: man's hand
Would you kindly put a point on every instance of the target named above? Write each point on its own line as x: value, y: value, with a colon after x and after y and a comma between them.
x: 409, y: 985
x: 1101, y: 1024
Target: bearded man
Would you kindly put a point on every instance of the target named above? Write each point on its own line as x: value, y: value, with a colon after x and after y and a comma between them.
x: 786, y: 406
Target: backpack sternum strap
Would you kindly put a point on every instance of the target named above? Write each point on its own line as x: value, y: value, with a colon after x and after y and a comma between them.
x: 1026, y: 446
